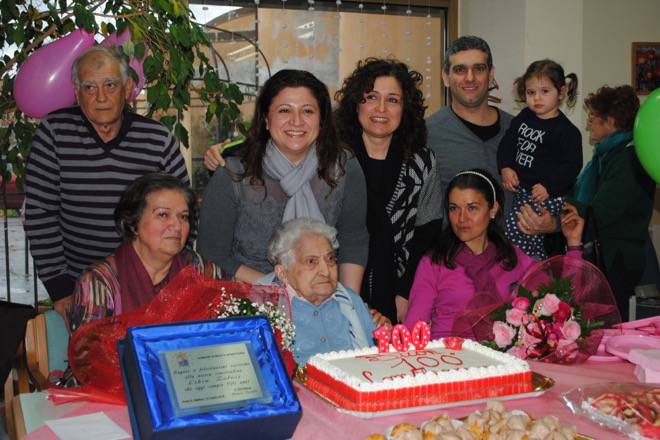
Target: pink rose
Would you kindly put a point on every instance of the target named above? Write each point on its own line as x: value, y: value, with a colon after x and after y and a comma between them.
x: 520, y: 303
x: 555, y: 328
x: 563, y: 312
x: 571, y: 330
x: 515, y: 316
x: 503, y: 334
x: 518, y: 352
x: 527, y: 318
x: 529, y: 340
x: 549, y: 304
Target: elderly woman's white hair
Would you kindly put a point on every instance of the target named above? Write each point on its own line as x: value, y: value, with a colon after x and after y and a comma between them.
x: 286, y: 237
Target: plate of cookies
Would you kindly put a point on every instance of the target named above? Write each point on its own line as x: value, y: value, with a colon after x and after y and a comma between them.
x: 493, y: 421
x: 630, y: 408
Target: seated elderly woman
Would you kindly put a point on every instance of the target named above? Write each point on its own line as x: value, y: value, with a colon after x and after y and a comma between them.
x: 472, y: 255
x: 154, y: 216
x: 327, y: 315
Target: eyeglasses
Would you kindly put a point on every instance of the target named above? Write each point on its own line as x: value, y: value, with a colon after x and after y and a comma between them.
x: 109, y: 86
x: 462, y: 69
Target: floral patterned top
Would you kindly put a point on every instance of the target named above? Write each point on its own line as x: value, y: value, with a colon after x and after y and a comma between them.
x: 96, y: 292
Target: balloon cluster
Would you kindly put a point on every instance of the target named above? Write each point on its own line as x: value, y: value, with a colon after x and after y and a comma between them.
x: 43, y: 83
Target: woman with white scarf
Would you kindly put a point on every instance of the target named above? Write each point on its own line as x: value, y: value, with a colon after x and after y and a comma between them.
x: 292, y: 166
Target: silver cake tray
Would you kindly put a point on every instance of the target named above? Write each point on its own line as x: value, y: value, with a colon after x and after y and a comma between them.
x: 540, y: 382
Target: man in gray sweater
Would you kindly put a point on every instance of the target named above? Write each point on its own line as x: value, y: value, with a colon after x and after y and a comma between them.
x: 466, y: 134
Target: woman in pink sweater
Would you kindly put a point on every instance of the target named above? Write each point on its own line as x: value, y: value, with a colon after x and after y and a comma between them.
x: 472, y: 254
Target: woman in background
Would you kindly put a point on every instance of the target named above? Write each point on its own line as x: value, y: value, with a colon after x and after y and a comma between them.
x: 616, y: 189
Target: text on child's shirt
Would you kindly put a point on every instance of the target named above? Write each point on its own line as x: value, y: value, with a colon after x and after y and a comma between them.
x: 528, y: 138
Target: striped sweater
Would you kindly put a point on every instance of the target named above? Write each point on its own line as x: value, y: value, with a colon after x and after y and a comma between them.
x: 74, y: 181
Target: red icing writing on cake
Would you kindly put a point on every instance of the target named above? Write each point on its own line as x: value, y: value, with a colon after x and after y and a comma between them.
x: 412, y: 362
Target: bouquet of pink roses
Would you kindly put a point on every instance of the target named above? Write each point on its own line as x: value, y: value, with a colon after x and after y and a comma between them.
x: 554, y: 315
x: 542, y: 324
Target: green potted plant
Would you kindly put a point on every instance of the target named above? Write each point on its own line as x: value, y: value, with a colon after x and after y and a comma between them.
x: 171, y: 45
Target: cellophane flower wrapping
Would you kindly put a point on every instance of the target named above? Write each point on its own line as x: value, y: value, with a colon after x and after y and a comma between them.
x: 536, y: 323
x: 92, y: 348
x: 630, y: 408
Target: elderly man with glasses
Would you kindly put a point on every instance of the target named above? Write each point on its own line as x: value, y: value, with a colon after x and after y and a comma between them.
x: 82, y: 159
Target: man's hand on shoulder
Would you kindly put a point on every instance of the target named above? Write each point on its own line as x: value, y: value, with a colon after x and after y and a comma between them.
x: 213, y: 156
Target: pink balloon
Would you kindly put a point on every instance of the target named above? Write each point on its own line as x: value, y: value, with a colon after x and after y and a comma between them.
x: 114, y: 40
x: 43, y: 83
x: 123, y: 38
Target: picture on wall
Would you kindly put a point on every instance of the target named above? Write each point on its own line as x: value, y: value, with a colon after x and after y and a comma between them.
x: 645, y: 67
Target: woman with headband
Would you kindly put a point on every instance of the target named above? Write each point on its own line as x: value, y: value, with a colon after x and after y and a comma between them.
x: 472, y: 254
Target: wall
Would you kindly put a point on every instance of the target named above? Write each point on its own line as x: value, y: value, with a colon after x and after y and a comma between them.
x: 610, y: 26
x: 522, y: 31
x: 502, y: 24
x: 556, y: 32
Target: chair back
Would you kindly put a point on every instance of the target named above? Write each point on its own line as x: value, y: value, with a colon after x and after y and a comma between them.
x: 13, y: 320
x: 46, y: 340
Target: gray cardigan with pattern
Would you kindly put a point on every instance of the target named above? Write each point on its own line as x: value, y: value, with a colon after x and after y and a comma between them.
x: 237, y: 219
x: 457, y: 148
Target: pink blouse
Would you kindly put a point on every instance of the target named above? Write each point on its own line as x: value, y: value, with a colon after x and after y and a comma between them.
x: 439, y: 293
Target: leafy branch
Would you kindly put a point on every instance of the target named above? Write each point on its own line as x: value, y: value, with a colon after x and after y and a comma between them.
x: 162, y: 34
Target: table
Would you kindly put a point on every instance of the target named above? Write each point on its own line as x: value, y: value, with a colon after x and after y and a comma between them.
x: 322, y: 421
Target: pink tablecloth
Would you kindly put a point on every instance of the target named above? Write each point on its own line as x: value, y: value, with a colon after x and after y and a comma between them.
x: 322, y: 421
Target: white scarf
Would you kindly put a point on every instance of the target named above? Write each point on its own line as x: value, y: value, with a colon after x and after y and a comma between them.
x: 294, y: 180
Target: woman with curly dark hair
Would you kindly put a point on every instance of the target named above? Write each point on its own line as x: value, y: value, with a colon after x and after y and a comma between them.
x: 381, y: 116
x: 614, y: 193
x: 292, y: 165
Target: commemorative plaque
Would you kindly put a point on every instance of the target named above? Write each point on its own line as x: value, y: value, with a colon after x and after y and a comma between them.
x: 211, y: 378
x: 207, y: 378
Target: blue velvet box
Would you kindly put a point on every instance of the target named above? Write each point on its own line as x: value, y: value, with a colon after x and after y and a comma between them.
x: 153, y: 407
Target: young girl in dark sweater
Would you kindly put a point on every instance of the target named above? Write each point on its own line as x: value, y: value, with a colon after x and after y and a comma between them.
x: 540, y: 155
